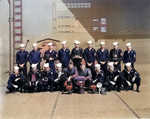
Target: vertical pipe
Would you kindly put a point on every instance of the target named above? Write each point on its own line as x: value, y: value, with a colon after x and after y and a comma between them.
x: 9, y: 35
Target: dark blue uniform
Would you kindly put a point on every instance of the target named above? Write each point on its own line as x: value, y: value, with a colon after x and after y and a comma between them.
x: 129, y: 75
x: 64, y: 57
x: 99, y: 77
x: 22, y: 58
x: 102, y: 57
x: 129, y: 57
x: 30, y: 78
x: 48, y: 55
x: 50, y: 75
x: 111, y: 75
x: 116, y: 56
x: 90, y: 57
x: 77, y: 61
x: 20, y: 83
x: 34, y: 58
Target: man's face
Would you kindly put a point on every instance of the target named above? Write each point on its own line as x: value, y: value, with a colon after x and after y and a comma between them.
x: 102, y: 46
x: 59, y: 69
x: 50, y: 47
x: 111, y: 68
x: 128, y: 68
x: 97, y: 69
x: 34, y: 68
x: 64, y: 46
x: 35, y: 48
x: 115, y: 47
x: 46, y: 68
x: 129, y: 48
x: 76, y: 45
x: 16, y: 71
x: 22, y: 49
x: 82, y: 66
x: 70, y: 66
x: 89, y: 45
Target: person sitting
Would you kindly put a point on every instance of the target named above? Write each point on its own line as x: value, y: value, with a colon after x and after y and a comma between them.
x: 16, y: 81
x: 59, y: 77
x: 87, y: 74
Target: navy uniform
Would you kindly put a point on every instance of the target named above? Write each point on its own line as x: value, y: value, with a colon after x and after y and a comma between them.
x: 102, y: 56
x: 98, y: 77
x: 49, y: 75
x: 128, y: 76
x: 114, y: 76
x: 22, y: 58
x: 35, y: 58
x: 59, y: 78
x: 90, y: 57
x: 116, y: 56
x: 74, y: 53
x: 50, y: 54
x: 88, y: 76
x: 129, y: 56
x: 34, y: 80
x: 20, y: 83
x: 64, y: 57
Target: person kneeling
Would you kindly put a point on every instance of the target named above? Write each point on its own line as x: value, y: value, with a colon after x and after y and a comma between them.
x: 114, y: 77
x: 34, y: 79
x: 47, y: 77
x: 16, y: 81
x: 131, y: 76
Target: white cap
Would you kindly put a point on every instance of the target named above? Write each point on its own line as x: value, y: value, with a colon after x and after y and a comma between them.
x: 16, y: 67
x: 102, y: 43
x: 34, y: 45
x: 46, y: 65
x: 128, y: 44
x: 110, y: 64
x: 115, y: 43
x: 33, y: 65
x: 89, y: 42
x: 97, y: 65
x: 76, y: 42
x: 128, y: 64
x: 59, y: 65
x: 64, y: 42
x: 50, y: 44
x: 22, y: 45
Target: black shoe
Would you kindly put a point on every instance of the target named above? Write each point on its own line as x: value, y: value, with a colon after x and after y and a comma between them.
x: 137, y: 90
x: 118, y: 89
x: 62, y: 92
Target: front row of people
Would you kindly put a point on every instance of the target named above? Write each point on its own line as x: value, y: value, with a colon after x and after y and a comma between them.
x: 48, y: 79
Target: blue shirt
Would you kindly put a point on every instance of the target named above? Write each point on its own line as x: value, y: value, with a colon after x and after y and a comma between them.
x: 21, y: 57
x: 35, y: 57
x: 12, y: 78
x: 102, y: 56
x: 89, y: 55
x: 129, y: 57
x: 64, y: 55
x: 48, y: 55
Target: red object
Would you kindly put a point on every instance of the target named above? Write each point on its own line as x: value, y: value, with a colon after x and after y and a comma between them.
x: 93, y: 86
x: 68, y: 86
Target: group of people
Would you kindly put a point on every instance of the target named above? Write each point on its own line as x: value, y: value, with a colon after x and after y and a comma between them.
x: 65, y: 66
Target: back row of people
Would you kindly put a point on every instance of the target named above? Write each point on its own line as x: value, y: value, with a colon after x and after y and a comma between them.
x: 102, y: 56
